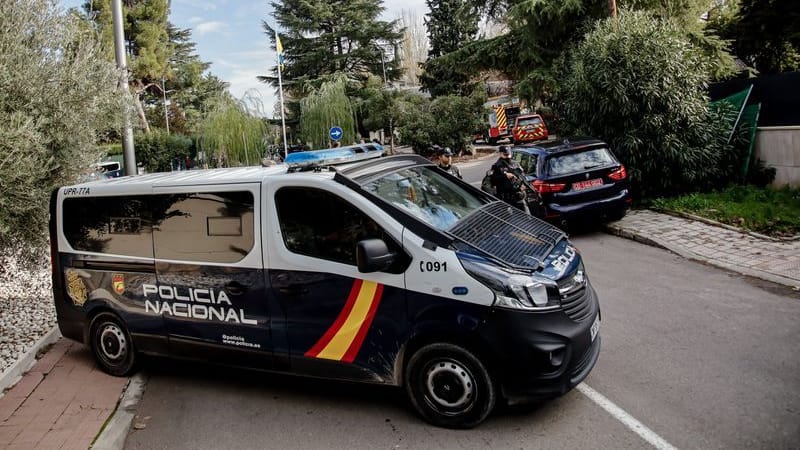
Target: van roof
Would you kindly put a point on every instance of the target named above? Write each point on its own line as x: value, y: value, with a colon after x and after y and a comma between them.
x: 197, y: 177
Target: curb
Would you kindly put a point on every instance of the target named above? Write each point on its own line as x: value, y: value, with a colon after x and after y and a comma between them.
x: 654, y: 242
x: 13, y: 374
x: 114, y: 433
x: 685, y: 215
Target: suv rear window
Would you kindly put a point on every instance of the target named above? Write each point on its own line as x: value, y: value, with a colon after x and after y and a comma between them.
x: 521, y: 122
x: 578, y: 162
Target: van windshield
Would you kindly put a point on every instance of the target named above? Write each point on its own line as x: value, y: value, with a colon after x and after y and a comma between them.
x: 427, y: 194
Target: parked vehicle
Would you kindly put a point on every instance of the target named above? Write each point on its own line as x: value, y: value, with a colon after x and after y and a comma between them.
x: 380, y: 270
x: 528, y: 128
x: 502, y: 112
x: 577, y: 179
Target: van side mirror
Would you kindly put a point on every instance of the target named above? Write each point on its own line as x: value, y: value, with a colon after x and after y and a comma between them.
x: 372, y: 255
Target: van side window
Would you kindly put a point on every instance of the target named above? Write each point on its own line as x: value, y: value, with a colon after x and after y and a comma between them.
x: 213, y: 227
x: 112, y: 225
x: 319, y: 224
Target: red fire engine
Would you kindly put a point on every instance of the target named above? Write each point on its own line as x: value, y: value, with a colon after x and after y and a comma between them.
x: 502, y: 111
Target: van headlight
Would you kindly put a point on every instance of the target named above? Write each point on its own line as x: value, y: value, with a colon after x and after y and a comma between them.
x: 513, y: 290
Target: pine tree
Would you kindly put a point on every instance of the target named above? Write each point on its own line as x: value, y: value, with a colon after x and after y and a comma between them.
x: 451, y: 24
x: 324, y: 37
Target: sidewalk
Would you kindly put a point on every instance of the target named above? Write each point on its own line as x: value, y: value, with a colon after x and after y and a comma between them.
x: 61, y: 403
x: 761, y: 257
x: 64, y: 401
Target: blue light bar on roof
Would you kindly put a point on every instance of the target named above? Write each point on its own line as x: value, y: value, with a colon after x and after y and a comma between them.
x: 333, y: 156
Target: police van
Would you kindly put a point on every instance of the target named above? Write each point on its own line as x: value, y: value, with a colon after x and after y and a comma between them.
x: 338, y: 264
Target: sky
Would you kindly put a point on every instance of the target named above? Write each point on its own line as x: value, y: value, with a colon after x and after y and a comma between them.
x: 229, y: 35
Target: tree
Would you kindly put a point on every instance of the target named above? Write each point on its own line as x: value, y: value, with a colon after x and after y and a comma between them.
x: 146, y: 40
x: 638, y: 82
x: 192, y: 88
x: 541, y: 31
x: 232, y: 134
x: 379, y: 108
x: 451, y: 24
x: 414, y: 46
x: 58, y: 92
x: 323, y: 108
x: 321, y: 38
x: 449, y: 121
x: 766, y: 35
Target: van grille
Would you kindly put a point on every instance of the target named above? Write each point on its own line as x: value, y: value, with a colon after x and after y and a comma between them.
x: 577, y: 305
x: 508, y: 234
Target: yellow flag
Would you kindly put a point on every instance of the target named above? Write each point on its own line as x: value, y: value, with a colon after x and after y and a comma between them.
x: 279, y: 49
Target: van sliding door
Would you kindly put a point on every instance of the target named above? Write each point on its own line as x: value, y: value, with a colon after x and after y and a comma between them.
x: 211, y: 288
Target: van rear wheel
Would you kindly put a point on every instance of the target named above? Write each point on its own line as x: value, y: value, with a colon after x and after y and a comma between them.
x: 111, y: 345
x: 449, y: 386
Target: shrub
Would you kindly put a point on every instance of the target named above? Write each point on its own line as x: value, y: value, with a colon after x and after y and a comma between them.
x: 448, y: 121
x: 57, y: 92
x: 638, y: 83
x: 157, y: 151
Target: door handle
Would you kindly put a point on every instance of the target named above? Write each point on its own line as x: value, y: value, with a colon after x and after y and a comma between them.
x: 235, y: 288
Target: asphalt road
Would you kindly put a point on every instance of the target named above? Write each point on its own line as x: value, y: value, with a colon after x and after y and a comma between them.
x: 700, y: 357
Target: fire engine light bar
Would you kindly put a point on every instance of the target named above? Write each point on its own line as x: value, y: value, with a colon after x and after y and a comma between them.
x: 333, y: 156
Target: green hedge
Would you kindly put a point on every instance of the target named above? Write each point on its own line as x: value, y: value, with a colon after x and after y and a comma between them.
x: 639, y: 84
x: 156, y: 151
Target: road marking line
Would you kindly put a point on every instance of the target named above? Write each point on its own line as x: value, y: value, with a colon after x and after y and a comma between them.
x: 618, y: 413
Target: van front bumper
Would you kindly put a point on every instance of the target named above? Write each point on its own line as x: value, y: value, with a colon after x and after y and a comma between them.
x: 541, y: 355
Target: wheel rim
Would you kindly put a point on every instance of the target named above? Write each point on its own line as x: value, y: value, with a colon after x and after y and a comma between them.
x: 112, y: 343
x: 449, y: 386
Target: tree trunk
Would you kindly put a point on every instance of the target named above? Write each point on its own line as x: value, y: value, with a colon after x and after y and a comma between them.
x: 138, y: 102
x: 140, y: 112
x: 612, y: 8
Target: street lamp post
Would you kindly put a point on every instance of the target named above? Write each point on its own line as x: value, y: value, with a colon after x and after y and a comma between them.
x: 383, y: 63
x: 166, y: 113
x: 385, y: 85
x: 119, y: 51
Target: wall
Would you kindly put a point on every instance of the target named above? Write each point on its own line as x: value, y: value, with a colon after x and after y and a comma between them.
x: 779, y: 147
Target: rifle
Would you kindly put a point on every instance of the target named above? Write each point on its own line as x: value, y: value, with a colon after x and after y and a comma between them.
x: 536, y: 202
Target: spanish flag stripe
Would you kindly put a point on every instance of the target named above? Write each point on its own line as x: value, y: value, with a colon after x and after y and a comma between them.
x: 341, y: 341
x: 355, y: 346
x: 337, y: 324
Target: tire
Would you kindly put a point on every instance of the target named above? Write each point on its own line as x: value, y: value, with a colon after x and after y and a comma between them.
x: 617, y: 215
x: 449, y: 386
x: 111, y: 345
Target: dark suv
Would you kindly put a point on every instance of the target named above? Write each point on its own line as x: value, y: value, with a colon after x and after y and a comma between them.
x: 580, y: 178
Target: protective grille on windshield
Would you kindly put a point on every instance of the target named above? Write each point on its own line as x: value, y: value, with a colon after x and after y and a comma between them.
x: 508, y: 234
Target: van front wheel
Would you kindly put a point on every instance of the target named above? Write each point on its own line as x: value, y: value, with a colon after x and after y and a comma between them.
x: 449, y: 386
x: 111, y: 345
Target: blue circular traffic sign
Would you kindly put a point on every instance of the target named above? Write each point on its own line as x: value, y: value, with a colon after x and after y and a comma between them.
x: 336, y: 133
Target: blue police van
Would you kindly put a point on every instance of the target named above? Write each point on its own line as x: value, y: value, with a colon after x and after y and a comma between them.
x: 338, y: 264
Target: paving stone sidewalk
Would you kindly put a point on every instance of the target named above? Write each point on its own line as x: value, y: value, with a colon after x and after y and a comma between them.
x: 761, y: 257
x: 61, y: 403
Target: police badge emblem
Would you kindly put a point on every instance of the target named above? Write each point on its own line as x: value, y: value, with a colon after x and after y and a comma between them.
x: 118, y: 283
x: 76, y: 289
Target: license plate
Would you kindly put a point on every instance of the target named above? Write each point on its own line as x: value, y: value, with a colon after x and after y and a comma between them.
x: 580, y: 185
x: 595, y: 328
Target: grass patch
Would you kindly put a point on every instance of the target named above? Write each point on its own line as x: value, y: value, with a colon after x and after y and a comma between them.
x: 775, y: 212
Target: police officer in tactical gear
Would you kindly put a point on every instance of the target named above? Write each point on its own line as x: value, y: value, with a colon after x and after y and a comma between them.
x: 446, y: 163
x: 507, y: 179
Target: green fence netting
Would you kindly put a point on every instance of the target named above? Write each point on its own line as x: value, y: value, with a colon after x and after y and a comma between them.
x: 749, y: 122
